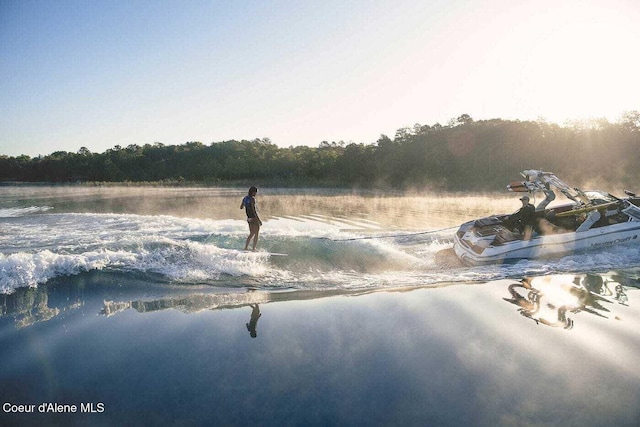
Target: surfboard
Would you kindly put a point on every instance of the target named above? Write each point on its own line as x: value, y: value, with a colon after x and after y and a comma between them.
x: 584, y: 209
x: 273, y: 253
x: 258, y: 253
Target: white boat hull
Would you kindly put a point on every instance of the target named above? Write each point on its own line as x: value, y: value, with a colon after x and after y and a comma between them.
x: 548, y: 245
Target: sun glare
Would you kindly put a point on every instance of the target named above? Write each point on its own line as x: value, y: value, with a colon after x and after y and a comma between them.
x: 581, y: 67
x: 566, y: 62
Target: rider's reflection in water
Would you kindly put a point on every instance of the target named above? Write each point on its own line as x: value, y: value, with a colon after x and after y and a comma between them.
x: 253, y: 322
x: 566, y: 294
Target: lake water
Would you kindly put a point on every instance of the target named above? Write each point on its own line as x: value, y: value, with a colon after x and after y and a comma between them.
x: 137, y: 306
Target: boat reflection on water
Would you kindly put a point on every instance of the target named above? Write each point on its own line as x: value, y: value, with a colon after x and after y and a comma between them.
x: 550, y: 300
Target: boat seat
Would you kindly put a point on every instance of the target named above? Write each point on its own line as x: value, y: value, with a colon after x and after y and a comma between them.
x: 506, y: 236
x: 591, y: 219
x: 492, y: 220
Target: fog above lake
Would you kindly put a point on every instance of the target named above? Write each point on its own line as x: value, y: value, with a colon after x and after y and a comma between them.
x: 387, y: 210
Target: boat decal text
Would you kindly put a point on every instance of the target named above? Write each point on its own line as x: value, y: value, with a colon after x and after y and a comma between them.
x: 613, y: 242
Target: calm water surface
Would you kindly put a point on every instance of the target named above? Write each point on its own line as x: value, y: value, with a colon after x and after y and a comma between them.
x: 139, y: 300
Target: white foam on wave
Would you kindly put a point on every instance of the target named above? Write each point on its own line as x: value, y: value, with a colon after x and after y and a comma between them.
x: 207, y: 262
x: 30, y: 269
x: 184, y: 263
x: 36, y: 249
x: 622, y: 257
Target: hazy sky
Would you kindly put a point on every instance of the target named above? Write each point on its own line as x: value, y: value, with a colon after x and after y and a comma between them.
x: 118, y: 72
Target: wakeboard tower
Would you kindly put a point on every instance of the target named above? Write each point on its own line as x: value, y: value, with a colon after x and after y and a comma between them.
x: 592, y: 220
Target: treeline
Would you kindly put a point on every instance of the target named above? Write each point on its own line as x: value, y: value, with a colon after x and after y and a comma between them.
x: 462, y: 155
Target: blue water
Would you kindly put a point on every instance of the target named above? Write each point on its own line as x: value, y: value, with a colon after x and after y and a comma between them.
x: 153, y: 312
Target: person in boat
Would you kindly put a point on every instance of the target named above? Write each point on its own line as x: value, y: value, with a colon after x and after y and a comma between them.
x: 524, y: 218
x: 249, y: 205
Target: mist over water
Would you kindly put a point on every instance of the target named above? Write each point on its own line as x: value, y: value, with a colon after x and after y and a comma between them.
x: 193, y: 236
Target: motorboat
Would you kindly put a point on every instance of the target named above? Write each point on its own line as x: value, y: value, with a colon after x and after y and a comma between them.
x: 591, y: 220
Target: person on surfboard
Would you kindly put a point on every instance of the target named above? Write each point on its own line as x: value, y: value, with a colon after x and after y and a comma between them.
x: 249, y: 205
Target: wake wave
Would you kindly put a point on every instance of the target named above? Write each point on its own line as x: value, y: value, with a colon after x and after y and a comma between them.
x: 35, y: 251
x: 189, y: 262
x: 321, y: 254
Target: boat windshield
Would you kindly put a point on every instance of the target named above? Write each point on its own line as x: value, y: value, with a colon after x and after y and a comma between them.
x: 599, y: 197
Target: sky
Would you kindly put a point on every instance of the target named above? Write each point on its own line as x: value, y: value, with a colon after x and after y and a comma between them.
x: 101, y: 73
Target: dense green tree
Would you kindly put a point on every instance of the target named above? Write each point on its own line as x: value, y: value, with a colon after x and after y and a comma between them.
x: 463, y: 155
